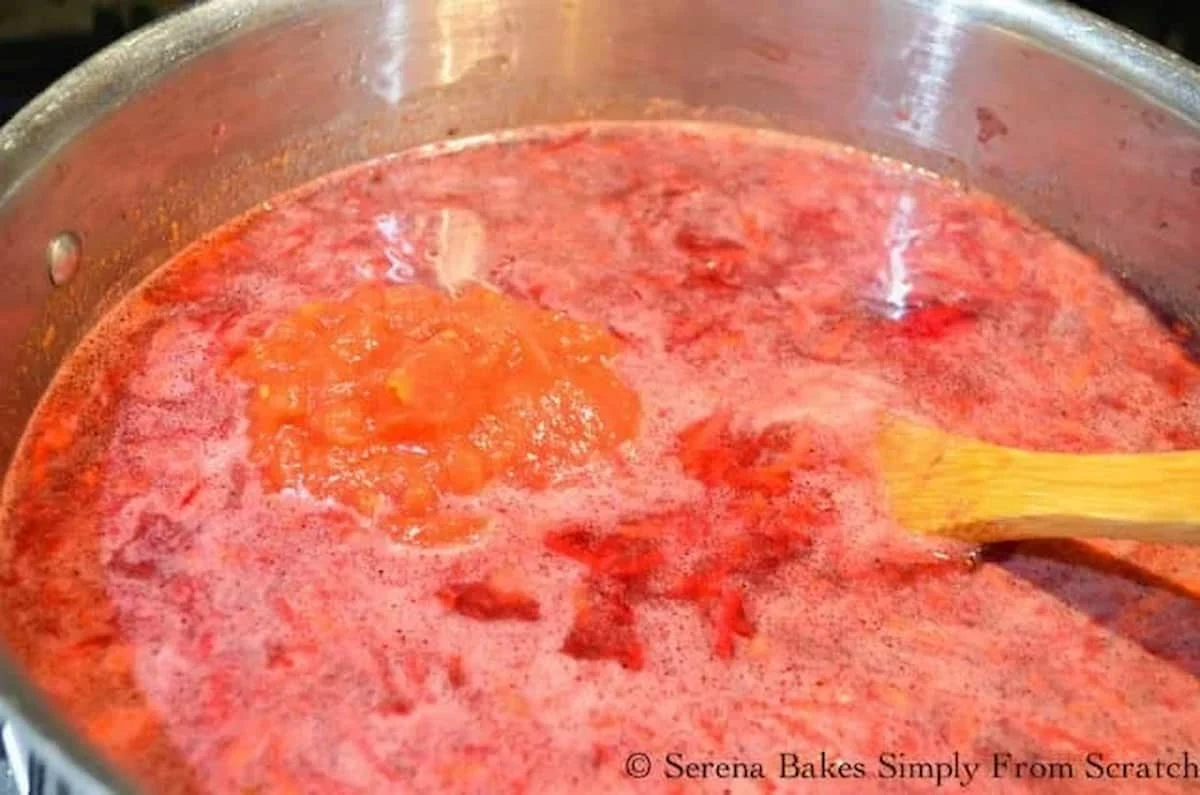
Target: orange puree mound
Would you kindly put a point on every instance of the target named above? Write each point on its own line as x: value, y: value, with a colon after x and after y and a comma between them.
x: 399, y: 394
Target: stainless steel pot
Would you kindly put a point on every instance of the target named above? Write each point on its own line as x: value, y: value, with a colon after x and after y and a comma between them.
x: 1090, y: 129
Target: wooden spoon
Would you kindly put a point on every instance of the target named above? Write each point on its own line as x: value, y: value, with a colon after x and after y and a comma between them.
x: 954, y: 486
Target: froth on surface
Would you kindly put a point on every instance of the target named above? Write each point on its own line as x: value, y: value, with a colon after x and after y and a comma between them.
x: 216, y: 637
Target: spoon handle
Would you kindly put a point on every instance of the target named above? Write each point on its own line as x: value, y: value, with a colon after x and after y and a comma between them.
x: 1081, y: 527
x: 946, y: 484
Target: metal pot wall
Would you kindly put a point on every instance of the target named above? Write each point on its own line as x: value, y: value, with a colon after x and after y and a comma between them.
x: 1091, y: 130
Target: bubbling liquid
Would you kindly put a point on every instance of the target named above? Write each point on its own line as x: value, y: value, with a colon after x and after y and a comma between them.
x: 717, y: 578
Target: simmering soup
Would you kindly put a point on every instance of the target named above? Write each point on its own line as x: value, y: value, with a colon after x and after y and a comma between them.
x: 544, y: 463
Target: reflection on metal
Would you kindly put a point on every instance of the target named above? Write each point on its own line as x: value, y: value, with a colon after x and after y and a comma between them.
x: 387, y: 76
x: 16, y: 757
x: 573, y: 39
x: 451, y: 46
x: 931, y: 55
x: 459, y: 53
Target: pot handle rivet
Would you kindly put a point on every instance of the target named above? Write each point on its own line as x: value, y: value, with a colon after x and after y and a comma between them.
x: 62, y: 257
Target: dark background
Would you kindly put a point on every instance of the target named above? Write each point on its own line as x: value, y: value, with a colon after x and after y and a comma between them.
x: 42, y: 39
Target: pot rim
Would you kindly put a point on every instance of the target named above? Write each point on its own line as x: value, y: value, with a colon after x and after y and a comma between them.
x: 116, y: 74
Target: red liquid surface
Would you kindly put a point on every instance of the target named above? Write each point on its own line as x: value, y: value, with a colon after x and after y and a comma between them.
x: 677, y: 542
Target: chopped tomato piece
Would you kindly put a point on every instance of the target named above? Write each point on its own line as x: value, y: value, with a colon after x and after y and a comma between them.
x: 616, y: 555
x: 454, y: 672
x: 759, y: 554
x: 604, y: 629
x: 483, y: 601
x: 715, y: 453
x: 934, y: 321
x: 729, y: 620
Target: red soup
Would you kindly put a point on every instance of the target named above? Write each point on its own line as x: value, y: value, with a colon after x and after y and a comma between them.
x: 545, y: 465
